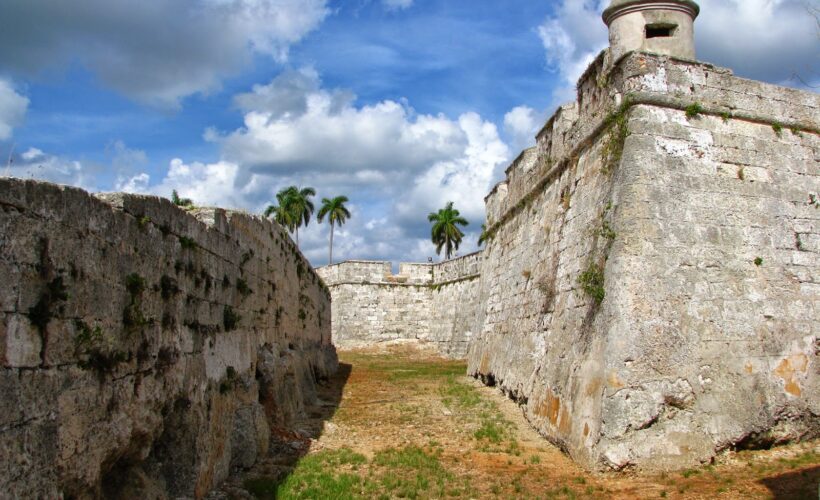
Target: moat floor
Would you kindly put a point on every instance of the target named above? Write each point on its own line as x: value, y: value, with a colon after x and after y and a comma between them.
x: 401, y: 424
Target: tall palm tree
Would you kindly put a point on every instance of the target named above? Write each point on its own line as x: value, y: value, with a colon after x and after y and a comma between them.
x: 445, y: 232
x: 281, y: 213
x: 301, y: 206
x: 295, y: 208
x: 337, y: 213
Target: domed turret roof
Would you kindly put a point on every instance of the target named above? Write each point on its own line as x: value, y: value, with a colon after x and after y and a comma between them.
x: 617, y: 5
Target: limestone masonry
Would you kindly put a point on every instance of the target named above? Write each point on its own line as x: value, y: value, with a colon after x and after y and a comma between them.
x: 434, y: 305
x: 650, y: 289
x: 649, y: 294
x: 146, y: 349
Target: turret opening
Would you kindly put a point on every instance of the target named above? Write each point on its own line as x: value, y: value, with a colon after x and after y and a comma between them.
x: 660, y: 30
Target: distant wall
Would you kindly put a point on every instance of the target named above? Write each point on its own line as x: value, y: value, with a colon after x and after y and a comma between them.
x: 431, y: 304
x: 146, y: 347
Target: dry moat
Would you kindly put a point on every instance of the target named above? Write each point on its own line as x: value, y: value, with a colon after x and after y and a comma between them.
x: 405, y: 424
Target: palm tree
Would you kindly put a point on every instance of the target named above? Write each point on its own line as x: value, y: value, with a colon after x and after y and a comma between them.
x: 180, y: 202
x: 337, y: 213
x: 295, y: 208
x: 445, y: 232
x: 280, y: 215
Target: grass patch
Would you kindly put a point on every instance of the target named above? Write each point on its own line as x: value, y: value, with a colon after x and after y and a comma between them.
x: 321, y: 475
x: 456, y: 394
x: 408, y: 472
x: 402, y: 371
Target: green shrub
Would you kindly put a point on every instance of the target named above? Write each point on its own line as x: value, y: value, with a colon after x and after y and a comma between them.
x: 592, y: 282
x: 693, y: 110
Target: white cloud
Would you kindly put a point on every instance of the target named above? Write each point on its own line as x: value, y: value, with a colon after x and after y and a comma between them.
x: 768, y: 40
x: 521, y: 124
x: 154, y: 51
x: 464, y: 180
x: 136, y: 184
x: 572, y: 37
x: 395, y: 166
x: 35, y: 164
x: 397, y: 4
x: 13, y: 108
x: 293, y: 124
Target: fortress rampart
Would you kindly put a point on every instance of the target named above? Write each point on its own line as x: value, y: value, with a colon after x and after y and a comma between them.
x: 430, y: 304
x: 145, y: 346
x: 650, y: 289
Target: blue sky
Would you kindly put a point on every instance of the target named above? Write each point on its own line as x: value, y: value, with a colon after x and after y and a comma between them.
x: 402, y: 105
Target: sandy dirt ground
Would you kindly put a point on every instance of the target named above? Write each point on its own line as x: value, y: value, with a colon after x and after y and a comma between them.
x: 404, y: 399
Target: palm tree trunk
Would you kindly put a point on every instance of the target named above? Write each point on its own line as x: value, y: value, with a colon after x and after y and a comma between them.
x: 330, y: 257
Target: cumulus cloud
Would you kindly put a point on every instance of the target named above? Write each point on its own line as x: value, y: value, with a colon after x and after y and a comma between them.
x: 13, y: 108
x: 154, y: 51
x: 463, y: 180
x: 395, y: 165
x: 769, y: 40
x: 293, y: 124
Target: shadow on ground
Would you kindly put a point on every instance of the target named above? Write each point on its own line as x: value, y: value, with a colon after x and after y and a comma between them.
x: 799, y: 484
x: 287, y: 446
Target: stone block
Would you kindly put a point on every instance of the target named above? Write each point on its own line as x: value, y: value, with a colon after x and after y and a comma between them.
x: 21, y: 342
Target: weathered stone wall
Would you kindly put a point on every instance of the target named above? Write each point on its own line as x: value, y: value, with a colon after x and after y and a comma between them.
x: 431, y: 304
x: 145, y: 348
x: 699, y: 235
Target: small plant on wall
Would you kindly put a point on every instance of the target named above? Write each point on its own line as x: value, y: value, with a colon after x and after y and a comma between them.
x: 592, y: 282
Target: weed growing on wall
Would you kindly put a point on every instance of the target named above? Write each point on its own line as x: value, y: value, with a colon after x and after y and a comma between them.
x: 592, y: 282
x: 143, y: 221
x: 693, y: 110
x: 187, y: 243
x: 613, y: 148
x: 606, y: 230
x: 778, y: 129
x: 94, y: 349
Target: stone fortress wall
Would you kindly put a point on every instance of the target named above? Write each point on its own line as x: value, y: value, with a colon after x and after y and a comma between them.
x: 144, y: 346
x: 650, y: 289
x: 433, y: 305
x: 650, y: 292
